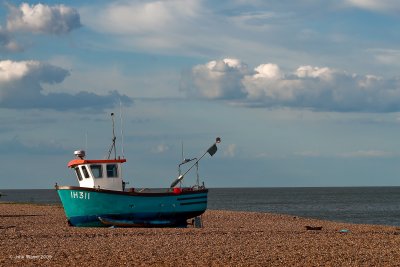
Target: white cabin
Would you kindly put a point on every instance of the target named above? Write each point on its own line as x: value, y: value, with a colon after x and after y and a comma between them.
x: 102, y: 174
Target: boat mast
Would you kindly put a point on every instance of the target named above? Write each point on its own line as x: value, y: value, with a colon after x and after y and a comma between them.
x: 122, y: 130
x: 112, y: 147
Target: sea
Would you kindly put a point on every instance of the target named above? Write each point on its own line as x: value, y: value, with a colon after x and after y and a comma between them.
x: 361, y: 205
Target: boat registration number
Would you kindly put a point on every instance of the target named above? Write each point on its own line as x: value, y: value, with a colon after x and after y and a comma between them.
x: 80, y: 195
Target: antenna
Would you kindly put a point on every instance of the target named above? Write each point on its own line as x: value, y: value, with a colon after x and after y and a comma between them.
x: 182, y: 152
x: 122, y: 129
x: 113, y: 140
x: 86, y: 141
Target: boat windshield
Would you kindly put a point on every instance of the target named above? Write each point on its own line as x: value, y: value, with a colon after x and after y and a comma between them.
x: 78, y: 173
x: 112, y: 170
x: 85, y: 172
x: 97, y: 171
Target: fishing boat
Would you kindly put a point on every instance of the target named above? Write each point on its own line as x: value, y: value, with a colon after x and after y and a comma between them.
x: 102, y: 198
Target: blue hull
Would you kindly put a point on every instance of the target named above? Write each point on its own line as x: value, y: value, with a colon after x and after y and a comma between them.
x: 84, y: 207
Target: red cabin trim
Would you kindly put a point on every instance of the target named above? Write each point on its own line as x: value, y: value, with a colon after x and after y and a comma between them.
x: 76, y: 162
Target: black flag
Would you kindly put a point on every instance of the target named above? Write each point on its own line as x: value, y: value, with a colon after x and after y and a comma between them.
x: 212, y: 150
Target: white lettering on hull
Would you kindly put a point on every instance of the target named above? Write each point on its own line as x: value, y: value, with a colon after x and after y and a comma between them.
x: 80, y: 195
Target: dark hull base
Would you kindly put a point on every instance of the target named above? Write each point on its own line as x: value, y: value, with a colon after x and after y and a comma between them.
x: 134, y: 220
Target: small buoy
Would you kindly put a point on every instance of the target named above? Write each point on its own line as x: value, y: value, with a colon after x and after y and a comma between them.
x: 177, y: 190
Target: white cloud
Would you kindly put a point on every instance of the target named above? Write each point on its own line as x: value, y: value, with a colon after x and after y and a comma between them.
x: 20, y: 81
x: 218, y: 79
x: 314, y: 72
x: 57, y: 19
x: 307, y: 154
x: 230, y: 150
x: 316, y: 88
x: 261, y: 21
x: 375, y: 5
x: 142, y: 16
x: 367, y: 154
x: 161, y: 148
x: 22, y: 72
x: 21, y: 88
x: 181, y: 27
x: 390, y: 57
x: 269, y: 71
x: 146, y: 24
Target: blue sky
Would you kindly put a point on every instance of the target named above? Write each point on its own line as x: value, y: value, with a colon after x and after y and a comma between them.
x: 302, y: 93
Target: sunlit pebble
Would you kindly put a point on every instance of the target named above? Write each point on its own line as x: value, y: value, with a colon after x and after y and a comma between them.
x: 228, y: 238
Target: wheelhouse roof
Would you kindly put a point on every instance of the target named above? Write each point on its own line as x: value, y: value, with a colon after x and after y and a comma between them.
x: 76, y: 162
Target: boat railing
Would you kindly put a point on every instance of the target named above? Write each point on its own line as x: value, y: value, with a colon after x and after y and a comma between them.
x: 165, y: 190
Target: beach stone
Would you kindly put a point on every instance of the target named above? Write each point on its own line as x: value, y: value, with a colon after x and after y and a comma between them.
x: 38, y: 235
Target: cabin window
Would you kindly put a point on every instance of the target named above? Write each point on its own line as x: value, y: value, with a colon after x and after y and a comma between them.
x: 97, y: 171
x: 112, y: 170
x: 78, y: 174
x: 85, y: 172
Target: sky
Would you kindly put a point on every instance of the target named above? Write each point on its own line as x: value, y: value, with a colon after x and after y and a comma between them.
x: 302, y: 93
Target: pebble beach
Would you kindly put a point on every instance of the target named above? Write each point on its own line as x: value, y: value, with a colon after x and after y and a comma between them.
x: 38, y: 235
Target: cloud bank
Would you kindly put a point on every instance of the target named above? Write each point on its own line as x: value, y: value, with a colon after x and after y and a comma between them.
x: 21, y: 88
x: 307, y: 87
x: 57, y: 19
